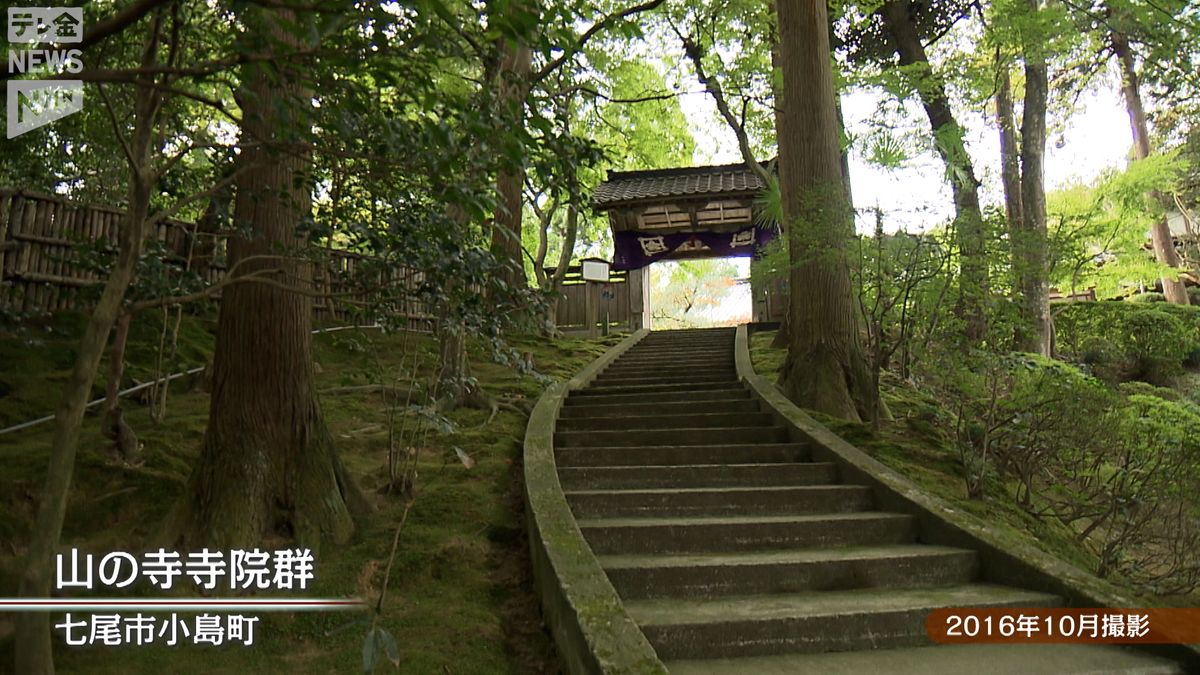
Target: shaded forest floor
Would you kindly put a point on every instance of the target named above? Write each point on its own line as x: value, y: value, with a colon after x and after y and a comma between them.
x: 460, y: 598
x: 917, y: 445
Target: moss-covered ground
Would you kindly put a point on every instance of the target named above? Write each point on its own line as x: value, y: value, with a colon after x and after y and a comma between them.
x: 460, y: 597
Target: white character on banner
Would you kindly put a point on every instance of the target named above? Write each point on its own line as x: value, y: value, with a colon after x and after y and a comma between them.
x: 139, y: 629
x: 652, y: 245
x: 743, y: 238
x: 210, y: 629
x: 106, y: 630
x: 241, y: 628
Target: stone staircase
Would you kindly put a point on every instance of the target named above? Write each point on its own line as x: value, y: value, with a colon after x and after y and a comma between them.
x: 735, y: 553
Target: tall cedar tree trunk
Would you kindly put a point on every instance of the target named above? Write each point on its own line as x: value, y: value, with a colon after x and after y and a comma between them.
x: 783, y: 336
x: 267, y: 463
x: 32, y: 641
x: 825, y: 368
x: 513, y: 88
x: 949, y: 140
x: 1034, y: 330
x: 1160, y: 232
x: 1010, y: 157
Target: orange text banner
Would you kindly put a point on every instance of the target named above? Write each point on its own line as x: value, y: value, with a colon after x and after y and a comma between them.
x: 1011, y: 625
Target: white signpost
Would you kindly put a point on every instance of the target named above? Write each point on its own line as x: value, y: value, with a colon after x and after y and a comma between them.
x: 595, y: 274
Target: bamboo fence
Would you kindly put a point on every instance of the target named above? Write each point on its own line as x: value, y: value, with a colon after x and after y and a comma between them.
x: 41, y: 237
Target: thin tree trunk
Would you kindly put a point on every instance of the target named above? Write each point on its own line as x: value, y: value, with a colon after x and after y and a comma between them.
x: 1010, y: 157
x: 1160, y: 232
x: 513, y: 88
x: 452, y: 355
x: 951, y: 146
x: 1030, y: 248
x: 33, y: 647
x: 564, y: 260
x: 116, y: 363
x: 825, y: 368
x: 114, y: 425
x: 267, y: 463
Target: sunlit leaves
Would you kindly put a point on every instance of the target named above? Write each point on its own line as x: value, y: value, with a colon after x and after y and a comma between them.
x: 1099, y: 233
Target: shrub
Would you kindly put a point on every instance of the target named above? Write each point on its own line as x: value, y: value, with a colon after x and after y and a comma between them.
x: 1146, y: 389
x: 1148, y: 342
x: 1019, y: 411
x: 1122, y: 469
x: 1139, y: 490
x: 1148, y: 297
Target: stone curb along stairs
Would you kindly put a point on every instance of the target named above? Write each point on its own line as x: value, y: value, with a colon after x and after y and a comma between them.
x: 685, y: 516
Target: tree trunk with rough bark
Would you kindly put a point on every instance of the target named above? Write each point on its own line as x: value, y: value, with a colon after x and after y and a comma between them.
x: 1160, y: 232
x: 512, y: 87
x: 1034, y: 330
x: 783, y: 336
x: 268, y: 464
x: 825, y: 368
x: 949, y: 140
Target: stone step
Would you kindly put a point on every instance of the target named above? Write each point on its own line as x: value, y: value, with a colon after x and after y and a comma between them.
x: 829, y: 621
x: 696, y: 476
x: 676, y: 436
x: 792, y: 571
x: 651, y: 366
x: 699, y: 377
x: 685, y: 346
x: 1022, y: 659
x: 657, y: 388
x: 669, y: 371
x: 746, y: 533
x: 683, y: 335
x: 653, y: 397
x: 683, y: 455
x: 675, y: 338
x: 673, y: 359
x: 680, y: 333
x: 681, y: 345
x: 675, y: 502
x: 649, y: 341
x: 705, y: 502
x: 636, y: 419
x: 607, y: 410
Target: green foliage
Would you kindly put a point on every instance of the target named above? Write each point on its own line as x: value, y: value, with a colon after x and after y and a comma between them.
x: 643, y: 134
x: 903, y: 281
x: 1121, y: 468
x: 1122, y: 341
x: 1098, y: 233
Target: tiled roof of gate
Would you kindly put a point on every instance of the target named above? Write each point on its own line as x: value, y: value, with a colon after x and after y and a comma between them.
x: 631, y: 186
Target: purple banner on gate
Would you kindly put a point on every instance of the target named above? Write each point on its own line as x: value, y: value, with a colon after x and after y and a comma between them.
x: 634, y: 249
